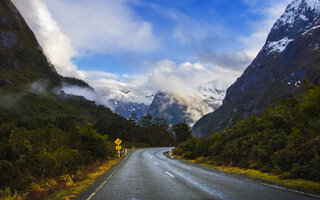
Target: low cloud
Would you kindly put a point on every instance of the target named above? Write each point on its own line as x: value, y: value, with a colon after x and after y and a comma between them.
x: 39, y: 87
x: 87, y: 93
x: 55, y: 44
x: 237, y: 61
x: 185, y: 77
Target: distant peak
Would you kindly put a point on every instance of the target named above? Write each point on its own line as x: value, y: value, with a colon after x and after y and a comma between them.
x: 312, y: 4
x: 299, y: 17
x: 297, y: 11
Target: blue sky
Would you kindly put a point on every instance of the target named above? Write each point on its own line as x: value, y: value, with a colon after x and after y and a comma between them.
x: 151, y: 44
x: 184, y: 29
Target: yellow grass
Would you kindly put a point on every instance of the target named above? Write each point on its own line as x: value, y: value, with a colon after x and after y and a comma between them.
x: 73, y: 188
x: 64, y: 187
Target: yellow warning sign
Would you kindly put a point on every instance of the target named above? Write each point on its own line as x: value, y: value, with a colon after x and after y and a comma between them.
x: 118, y: 141
x: 118, y: 147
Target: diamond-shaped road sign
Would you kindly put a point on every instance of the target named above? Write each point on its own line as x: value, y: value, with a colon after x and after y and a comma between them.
x: 118, y: 141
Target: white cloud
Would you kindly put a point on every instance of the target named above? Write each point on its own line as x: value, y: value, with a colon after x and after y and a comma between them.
x: 96, y: 75
x: 111, y: 26
x: 103, y: 26
x: 185, y: 78
x: 94, y: 26
x: 55, y: 44
x: 236, y: 61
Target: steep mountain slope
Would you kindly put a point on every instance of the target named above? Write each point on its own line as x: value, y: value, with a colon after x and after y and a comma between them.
x: 29, y: 84
x: 290, y: 54
x: 176, y: 108
x: 21, y: 58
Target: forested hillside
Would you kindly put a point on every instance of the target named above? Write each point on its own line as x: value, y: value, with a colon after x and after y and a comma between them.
x: 284, y: 139
x: 45, y: 133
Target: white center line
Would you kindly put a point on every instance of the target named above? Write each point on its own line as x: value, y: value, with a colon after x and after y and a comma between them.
x: 155, y: 163
x: 170, y: 174
x: 99, y: 188
x: 281, y: 188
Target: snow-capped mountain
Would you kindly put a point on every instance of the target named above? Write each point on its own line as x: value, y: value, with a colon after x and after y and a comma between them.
x: 211, y: 93
x: 300, y: 17
x: 172, y: 107
x: 189, y: 107
x: 290, y: 54
x: 125, y: 102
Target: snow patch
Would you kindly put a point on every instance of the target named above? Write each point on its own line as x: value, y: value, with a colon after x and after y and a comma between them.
x: 313, y: 28
x: 296, y: 10
x: 278, y: 46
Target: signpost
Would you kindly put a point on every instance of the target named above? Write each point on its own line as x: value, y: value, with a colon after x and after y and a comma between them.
x: 118, y: 147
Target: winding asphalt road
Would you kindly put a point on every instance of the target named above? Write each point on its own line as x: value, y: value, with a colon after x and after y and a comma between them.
x: 149, y: 174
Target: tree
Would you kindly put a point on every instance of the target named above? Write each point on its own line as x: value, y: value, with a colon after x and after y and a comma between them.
x: 182, y: 132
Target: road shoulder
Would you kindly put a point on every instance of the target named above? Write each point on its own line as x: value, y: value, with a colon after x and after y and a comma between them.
x: 298, y: 186
x: 98, y: 183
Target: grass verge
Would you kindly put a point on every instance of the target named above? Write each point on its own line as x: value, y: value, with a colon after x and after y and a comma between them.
x: 83, y: 180
x: 64, y: 187
x: 311, y: 186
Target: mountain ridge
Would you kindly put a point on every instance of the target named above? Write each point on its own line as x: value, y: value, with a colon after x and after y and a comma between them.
x: 289, y: 55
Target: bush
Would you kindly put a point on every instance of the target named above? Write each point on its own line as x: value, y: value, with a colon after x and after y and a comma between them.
x: 283, y: 139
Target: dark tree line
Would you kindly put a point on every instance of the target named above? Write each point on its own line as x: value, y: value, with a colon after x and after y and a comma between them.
x: 35, y: 149
x: 284, y: 139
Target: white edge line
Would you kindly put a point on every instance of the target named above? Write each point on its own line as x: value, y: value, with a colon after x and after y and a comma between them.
x: 296, y: 191
x: 104, y: 182
x: 170, y: 174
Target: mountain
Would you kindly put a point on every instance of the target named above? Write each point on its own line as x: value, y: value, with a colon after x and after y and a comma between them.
x: 30, y: 88
x: 124, y: 101
x: 290, y: 54
x: 21, y: 58
x: 175, y: 108
x: 127, y: 109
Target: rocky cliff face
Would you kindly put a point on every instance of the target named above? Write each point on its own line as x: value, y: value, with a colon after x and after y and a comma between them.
x: 21, y: 58
x: 290, y: 54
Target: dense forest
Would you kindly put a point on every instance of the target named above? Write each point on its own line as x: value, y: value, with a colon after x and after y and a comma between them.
x: 284, y: 139
x: 44, y: 135
x: 44, y: 132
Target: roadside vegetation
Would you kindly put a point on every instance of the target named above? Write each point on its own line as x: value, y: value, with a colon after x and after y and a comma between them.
x: 46, y: 140
x: 283, y: 141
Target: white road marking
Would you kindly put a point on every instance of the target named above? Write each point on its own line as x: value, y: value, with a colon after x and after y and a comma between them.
x: 170, y: 174
x: 104, y: 182
x: 281, y: 188
x: 156, y: 163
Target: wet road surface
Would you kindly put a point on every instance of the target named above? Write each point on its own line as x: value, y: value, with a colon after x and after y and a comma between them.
x: 149, y: 174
